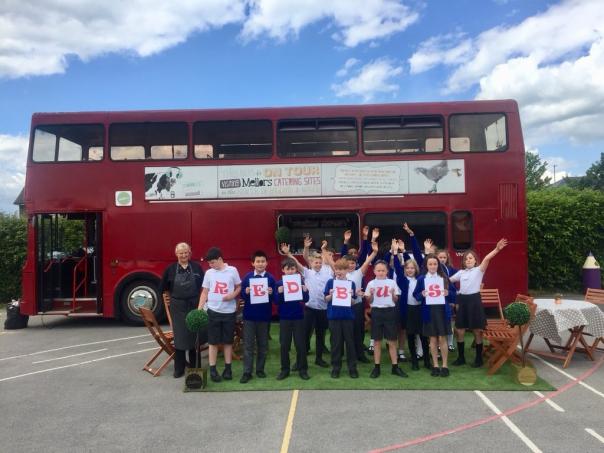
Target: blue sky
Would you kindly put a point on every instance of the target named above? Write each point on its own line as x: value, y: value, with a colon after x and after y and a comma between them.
x: 74, y: 56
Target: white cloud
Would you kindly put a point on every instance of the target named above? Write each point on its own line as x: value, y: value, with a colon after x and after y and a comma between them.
x: 38, y: 37
x: 13, y: 152
x: 356, y: 21
x: 551, y: 63
x: 443, y: 49
x: 373, y: 78
x: 555, y: 164
x: 347, y: 66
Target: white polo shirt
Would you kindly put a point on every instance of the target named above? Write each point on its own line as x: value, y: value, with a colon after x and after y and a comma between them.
x: 378, y: 284
x: 469, y: 280
x: 219, y: 283
x: 315, y: 282
x: 412, y: 284
x: 356, y: 276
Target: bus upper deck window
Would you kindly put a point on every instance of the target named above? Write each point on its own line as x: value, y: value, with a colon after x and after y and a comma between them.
x: 68, y: 143
x: 462, y: 230
x: 239, y: 139
x: 478, y: 132
x: 317, y: 137
x: 402, y: 134
x: 148, y: 141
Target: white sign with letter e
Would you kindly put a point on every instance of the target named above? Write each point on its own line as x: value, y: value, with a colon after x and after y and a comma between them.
x: 292, y: 288
x: 341, y: 295
x: 435, y: 291
x: 258, y: 290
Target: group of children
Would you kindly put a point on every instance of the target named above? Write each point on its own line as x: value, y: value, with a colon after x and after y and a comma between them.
x: 410, y: 296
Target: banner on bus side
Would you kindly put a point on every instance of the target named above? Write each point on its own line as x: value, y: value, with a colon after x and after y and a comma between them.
x: 305, y: 180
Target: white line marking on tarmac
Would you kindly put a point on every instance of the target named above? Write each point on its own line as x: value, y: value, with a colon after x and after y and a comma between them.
x: 146, y: 342
x: 75, y: 364
x: 548, y: 401
x: 529, y: 443
x: 570, y: 376
x: 72, y: 346
x: 595, y: 434
x: 68, y: 356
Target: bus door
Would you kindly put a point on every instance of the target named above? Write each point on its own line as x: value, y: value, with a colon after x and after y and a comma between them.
x: 68, y: 267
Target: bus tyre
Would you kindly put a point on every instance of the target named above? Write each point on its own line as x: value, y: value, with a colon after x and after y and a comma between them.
x: 140, y: 293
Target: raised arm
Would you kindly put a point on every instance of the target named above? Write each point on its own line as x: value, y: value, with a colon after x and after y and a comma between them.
x: 485, y: 262
x: 306, y: 251
x: 417, y: 253
x: 370, y: 258
x: 285, y: 249
x: 344, y: 248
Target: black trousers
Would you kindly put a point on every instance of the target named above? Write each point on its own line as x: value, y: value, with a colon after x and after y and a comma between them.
x: 255, y: 334
x: 341, y: 333
x: 358, y: 329
x: 289, y: 328
x: 180, y: 360
x: 317, y: 320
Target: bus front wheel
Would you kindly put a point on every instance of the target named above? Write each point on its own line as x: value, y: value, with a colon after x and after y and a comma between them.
x: 140, y: 293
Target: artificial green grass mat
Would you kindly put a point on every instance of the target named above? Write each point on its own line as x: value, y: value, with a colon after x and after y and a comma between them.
x: 461, y: 378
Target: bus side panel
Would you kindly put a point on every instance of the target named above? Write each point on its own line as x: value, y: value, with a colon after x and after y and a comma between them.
x: 141, y: 243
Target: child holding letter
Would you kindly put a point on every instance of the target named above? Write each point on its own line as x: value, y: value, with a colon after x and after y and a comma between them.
x: 257, y: 292
x: 221, y: 287
x: 470, y: 312
x: 291, y: 297
x: 338, y: 294
x: 382, y: 294
x: 432, y: 289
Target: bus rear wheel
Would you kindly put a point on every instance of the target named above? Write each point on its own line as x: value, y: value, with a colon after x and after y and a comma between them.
x: 140, y: 293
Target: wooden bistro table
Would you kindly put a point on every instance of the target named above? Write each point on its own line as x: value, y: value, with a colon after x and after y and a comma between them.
x: 576, y: 316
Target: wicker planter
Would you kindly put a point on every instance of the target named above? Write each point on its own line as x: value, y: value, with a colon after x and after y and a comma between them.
x: 524, y: 375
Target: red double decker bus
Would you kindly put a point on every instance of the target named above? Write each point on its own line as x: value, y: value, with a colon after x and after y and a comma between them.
x: 109, y: 194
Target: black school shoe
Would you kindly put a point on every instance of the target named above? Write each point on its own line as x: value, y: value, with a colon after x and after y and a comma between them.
x: 322, y: 363
x: 227, y: 374
x: 304, y: 375
x: 282, y: 375
x: 178, y: 374
x: 354, y: 374
x: 335, y: 373
x: 435, y: 371
x: 375, y: 373
x: 214, y: 376
x: 444, y: 372
x: 398, y: 372
x: 261, y: 374
x: 245, y: 378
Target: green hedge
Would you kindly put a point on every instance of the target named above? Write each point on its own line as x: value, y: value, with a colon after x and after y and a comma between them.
x: 13, y: 243
x: 564, y: 225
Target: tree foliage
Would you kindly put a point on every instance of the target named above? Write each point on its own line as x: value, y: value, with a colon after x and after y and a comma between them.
x: 535, y: 171
x: 593, y: 179
x: 564, y: 225
x: 13, y: 245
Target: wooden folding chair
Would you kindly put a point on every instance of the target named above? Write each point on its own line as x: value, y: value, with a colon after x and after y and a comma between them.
x: 490, y: 297
x: 165, y: 340
x: 504, y: 342
x: 595, y: 296
x: 166, y: 299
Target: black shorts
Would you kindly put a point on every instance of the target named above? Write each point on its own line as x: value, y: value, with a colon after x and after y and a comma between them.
x: 221, y: 327
x: 384, y: 323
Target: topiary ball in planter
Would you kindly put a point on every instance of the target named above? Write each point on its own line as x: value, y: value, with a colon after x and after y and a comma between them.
x: 197, y: 320
x: 517, y: 314
x: 282, y: 235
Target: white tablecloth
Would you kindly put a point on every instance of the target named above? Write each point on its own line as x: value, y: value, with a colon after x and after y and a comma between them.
x: 551, y: 319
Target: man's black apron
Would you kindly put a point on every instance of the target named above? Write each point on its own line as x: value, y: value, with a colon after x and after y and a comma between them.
x: 184, y: 297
